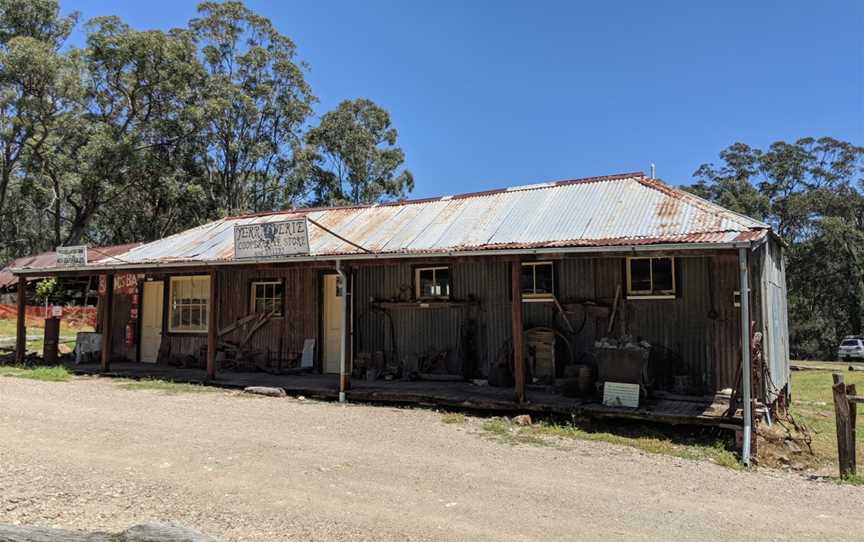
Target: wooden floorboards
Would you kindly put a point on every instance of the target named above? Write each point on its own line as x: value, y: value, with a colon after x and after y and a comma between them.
x: 683, y: 410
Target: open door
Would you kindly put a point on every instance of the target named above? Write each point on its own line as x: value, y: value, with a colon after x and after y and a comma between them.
x: 151, y: 320
x: 332, y: 324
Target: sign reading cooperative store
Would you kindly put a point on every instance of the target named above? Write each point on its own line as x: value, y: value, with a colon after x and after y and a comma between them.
x: 265, y: 239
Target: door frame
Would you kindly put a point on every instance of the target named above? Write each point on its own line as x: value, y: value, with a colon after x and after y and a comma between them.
x: 140, y: 326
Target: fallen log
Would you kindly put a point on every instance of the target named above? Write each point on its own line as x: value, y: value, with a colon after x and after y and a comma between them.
x: 148, y: 532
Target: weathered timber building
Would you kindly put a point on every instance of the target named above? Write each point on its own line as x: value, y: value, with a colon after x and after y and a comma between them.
x: 527, y: 288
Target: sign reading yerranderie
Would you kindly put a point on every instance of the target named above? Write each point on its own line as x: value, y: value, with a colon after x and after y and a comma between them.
x: 287, y: 238
x: 71, y: 256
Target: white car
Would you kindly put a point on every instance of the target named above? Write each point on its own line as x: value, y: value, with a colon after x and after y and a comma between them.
x: 851, y: 348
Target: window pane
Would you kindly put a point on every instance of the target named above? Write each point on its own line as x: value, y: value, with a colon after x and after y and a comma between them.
x: 442, y: 278
x: 543, y: 279
x: 662, y: 271
x: 427, y: 282
x: 527, y: 279
x: 640, y: 275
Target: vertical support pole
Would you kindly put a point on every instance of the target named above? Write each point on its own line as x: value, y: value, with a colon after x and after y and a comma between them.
x: 518, y: 332
x: 212, y: 324
x: 746, y: 387
x: 21, y: 323
x: 344, y: 382
x: 853, y: 431
x: 107, y: 315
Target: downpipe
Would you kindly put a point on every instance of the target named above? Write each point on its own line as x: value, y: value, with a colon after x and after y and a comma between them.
x: 343, y: 307
x: 745, y: 354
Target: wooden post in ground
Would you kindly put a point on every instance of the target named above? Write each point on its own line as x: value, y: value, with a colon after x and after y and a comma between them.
x: 21, y: 323
x: 851, y: 395
x: 107, y: 314
x: 212, y: 324
x: 845, y: 430
x: 518, y: 332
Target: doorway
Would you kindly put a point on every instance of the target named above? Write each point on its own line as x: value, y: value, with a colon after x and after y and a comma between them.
x: 151, y: 320
x: 332, y: 324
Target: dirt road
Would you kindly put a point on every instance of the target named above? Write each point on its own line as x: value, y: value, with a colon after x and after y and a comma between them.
x: 87, y: 454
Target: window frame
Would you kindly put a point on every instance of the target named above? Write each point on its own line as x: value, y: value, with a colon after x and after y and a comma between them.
x: 535, y: 296
x: 652, y: 293
x: 170, y: 305
x: 433, y: 268
x: 265, y: 281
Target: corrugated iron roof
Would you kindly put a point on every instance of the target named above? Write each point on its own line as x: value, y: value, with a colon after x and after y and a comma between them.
x: 47, y: 260
x: 626, y: 209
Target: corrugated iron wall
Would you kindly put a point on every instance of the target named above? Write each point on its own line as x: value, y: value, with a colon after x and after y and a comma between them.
x: 700, y: 325
x: 419, y: 332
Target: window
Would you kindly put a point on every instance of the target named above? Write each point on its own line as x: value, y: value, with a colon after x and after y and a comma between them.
x: 650, y: 278
x: 538, y: 280
x: 432, y: 282
x: 267, y: 297
x: 189, y: 302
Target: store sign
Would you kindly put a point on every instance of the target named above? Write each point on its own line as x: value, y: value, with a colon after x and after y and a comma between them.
x: 287, y: 238
x: 71, y: 256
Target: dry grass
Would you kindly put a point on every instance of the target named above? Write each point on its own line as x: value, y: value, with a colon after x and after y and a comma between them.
x: 166, y: 387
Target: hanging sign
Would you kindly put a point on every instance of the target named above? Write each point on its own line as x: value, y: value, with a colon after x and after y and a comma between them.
x: 286, y: 238
x: 72, y: 256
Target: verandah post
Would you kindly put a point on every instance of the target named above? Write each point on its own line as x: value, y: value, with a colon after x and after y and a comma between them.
x: 107, y: 315
x: 21, y: 324
x: 845, y: 433
x: 212, y: 320
x: 518, y: 337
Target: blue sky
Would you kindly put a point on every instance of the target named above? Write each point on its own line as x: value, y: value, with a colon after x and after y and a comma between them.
x: 495, y: 93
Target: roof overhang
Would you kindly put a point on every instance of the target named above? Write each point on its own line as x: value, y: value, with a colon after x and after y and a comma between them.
x: 180, y: 265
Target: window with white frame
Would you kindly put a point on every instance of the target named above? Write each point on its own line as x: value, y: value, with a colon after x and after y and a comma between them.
x: 267, y: 297
x: 432, y: 282
x: 650, y: 278
x: 538, y: 280
x: 189, y: 303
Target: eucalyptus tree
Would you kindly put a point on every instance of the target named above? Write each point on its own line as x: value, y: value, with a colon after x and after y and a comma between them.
x: 32, y: 94
x: 810, y: 191
x: 354, y: 156
x: 257, y: 100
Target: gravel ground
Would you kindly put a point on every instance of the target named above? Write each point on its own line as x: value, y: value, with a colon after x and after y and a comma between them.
x: 87, y: 454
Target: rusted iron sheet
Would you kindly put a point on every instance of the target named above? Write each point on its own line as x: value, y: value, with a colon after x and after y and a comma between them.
x: 628, y: 209
x: 49, y: 260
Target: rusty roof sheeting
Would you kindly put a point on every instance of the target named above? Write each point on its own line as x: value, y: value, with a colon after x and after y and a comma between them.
x: 47, y: 260
x: 627, y: 209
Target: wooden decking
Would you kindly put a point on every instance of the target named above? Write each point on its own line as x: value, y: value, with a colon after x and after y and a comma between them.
x: 459, y: 395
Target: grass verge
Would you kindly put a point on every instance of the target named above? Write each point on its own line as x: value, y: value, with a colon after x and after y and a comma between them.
x: 166, y: 387
x: 46, y: 374
x: 643, y: 437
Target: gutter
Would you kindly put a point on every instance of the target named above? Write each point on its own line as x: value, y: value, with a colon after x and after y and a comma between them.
x: 746, y: 386
x: 387, y: 256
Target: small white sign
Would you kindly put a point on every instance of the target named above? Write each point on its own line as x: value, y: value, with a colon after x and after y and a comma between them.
x: 56, y: 311
x: 618, y: 394
x: 72, y: 256
x: 286, y: 238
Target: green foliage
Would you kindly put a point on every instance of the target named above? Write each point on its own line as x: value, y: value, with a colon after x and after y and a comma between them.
x: 47, y: 289
x: 354, y: 155
x: 810, y: 192
x: 140, y: 134
x: 46, y: 374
